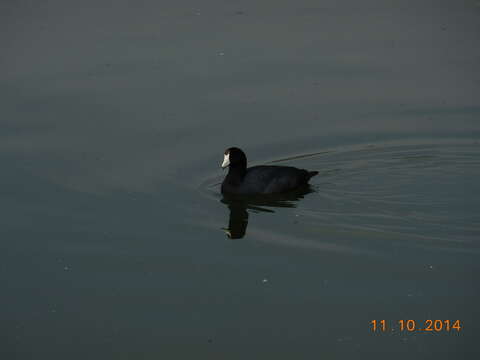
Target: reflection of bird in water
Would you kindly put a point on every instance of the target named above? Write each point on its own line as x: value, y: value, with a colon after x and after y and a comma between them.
x: 239, y: 204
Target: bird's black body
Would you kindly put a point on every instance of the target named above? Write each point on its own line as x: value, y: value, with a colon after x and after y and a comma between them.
x: 260, y: 179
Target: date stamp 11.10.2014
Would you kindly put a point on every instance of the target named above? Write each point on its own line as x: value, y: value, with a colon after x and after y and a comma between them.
x: 428, y: 325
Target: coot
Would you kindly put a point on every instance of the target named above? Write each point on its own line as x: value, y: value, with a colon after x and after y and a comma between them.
x: 260, y: 179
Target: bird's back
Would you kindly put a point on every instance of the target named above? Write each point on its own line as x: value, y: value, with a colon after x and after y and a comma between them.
x: 269, y: 179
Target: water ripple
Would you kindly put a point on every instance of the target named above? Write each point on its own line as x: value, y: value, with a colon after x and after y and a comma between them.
x: 420, y: 194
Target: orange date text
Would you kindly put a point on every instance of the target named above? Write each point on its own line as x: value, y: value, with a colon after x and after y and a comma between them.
x: 412, y: 325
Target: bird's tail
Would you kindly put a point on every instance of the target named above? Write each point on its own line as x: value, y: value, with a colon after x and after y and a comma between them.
x: 312, y: 174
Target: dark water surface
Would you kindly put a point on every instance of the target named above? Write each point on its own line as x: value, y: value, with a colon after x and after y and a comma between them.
x: 115, y: 240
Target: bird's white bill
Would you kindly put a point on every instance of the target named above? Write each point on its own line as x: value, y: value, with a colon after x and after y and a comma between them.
x: 226, y: 161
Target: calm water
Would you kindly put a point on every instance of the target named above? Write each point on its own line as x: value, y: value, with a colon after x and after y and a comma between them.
x: 115, y: 240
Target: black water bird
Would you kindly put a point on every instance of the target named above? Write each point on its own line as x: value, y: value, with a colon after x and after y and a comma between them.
x: 257, y: 180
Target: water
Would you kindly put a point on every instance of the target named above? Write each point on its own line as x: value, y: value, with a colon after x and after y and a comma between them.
x: 115, y: 239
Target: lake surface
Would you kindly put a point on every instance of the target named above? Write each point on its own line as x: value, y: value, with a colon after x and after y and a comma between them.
x: 116, y: 242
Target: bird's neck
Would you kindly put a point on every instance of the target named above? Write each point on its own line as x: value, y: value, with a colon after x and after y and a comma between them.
x: 236, y: 174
